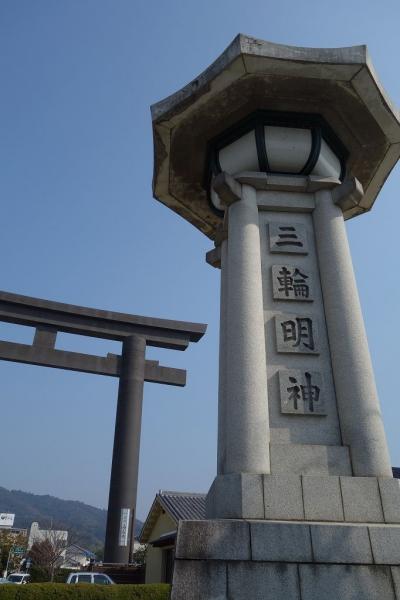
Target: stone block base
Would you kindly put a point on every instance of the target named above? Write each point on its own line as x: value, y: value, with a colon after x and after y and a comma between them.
x: 305, y: 497
x: 243, y: 560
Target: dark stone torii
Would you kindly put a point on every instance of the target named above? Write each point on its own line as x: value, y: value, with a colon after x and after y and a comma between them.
x: 135, y: 332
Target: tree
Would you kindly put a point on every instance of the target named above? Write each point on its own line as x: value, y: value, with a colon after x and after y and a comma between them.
x: 98, y: 551
x: 8, y: 541
x: 139, y: 556
x: 48, y: 553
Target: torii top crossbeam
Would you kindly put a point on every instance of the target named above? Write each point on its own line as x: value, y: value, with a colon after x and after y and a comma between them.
x: 49, y: 317
x: 164, y: 333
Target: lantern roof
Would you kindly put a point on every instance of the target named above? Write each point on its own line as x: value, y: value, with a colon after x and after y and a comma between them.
x: 339, y: 85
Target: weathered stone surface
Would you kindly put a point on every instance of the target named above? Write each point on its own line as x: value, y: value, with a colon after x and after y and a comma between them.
x: 260, y: 581
x: 291, y: 283
x: 396, y: 580
x: 283, y: 497
x: 356, y: 396
x: 280, y: 542
x: 216, y: 539
x: 311, y: 403
x: 322, y: 498
x: 199, y: 580
x: 390, y: 496
x: 297, y: 334
x: 385, y: 542
x: 246, y: 413
x: 345, y: 582
x: 252, y: 74
x: 236, y: 496
x: 298, y: 434
x: 341, y: 544
x: 286, y: 238
x: 361, y: 500
x: 309, y: 459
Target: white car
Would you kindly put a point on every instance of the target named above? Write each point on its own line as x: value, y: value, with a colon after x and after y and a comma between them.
x: 99, y: 578
x: 19, y: 578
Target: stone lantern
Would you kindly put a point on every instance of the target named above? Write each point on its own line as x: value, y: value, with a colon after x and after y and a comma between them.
x: 267, y: 153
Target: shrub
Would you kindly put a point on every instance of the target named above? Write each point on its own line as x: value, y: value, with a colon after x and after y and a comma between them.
x: 61, y: 591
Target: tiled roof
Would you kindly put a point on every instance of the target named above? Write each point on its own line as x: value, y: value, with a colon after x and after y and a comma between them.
x: 181, y: 506
x: 184, y: 506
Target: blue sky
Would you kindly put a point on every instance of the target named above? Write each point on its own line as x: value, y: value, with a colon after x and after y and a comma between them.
x: 79, y: 223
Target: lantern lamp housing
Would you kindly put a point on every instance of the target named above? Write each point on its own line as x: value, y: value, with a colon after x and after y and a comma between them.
x: 279, y: 143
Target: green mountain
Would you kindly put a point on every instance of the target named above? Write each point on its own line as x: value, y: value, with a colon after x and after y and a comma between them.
x: 86, y: 523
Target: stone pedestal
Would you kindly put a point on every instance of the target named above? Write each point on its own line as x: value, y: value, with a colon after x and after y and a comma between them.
x: 257, y: 560
x: 290, y: 537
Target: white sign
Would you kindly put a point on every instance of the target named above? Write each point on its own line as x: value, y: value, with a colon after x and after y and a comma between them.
x: 6, y: 519
x: 124, y: 526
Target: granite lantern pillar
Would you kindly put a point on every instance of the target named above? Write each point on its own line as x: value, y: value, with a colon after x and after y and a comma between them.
x: 267, y: 153
x: 356, y: 395
x: 245, y: 440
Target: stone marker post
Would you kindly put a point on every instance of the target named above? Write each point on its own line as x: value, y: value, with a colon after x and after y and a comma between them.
x: 293, y: 141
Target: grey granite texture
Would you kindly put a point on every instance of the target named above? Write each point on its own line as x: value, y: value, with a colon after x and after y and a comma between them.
x: 344, y: 582
x: 302, y: 392
x: 306, y: 497
x: 396, y: 580
x: 301, y: 459
x: 334, y: 561
x: 322, y: 498
x: 259, y: 581
x: 288, y: 239
x: 357, y: 399
x: 385, y: 542
x: 213, y: 539
x: 199, y: 580
x: 277, y: 542
x: 317, y: 432
x: 341, y: 544
x: 292, y: 283
x: 283, y: 497
x: 361, y: 500
x: 296, y: 334
x: 236, y: 496
x: 390, y: 496
x: 246, y: 428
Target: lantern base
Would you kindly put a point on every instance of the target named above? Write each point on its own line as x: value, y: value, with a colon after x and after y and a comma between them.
x: 291, y: 497
x: 242, y: 560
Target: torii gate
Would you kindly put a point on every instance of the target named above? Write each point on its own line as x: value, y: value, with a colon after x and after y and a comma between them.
x: 135, y: 332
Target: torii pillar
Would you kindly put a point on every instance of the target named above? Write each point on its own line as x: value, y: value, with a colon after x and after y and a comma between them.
x: 268, y: 152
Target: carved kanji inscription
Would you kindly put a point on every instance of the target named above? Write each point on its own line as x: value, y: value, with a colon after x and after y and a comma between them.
x: 288, y: 238
x: 296, y: 333
x: 291, y: 283
x: 301, y: 392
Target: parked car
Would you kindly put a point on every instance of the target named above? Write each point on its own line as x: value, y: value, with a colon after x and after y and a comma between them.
x: 99, y: 578
x: 19, y: 578
x: 4, y: 580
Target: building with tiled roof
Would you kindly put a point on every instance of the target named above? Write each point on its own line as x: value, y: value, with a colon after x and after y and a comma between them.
x: 160, y: 527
